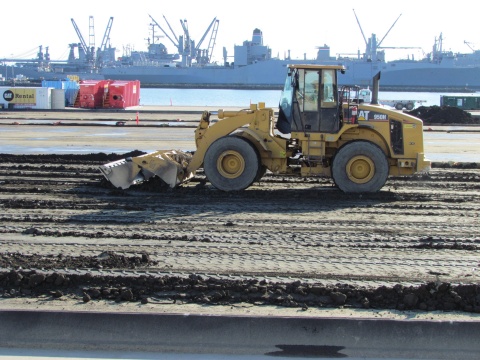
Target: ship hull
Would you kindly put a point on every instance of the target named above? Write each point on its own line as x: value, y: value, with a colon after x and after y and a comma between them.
x: 409, y: 76
x: 271, y: 74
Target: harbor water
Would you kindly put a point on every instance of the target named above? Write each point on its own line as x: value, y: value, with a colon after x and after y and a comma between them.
x: 242, y: 98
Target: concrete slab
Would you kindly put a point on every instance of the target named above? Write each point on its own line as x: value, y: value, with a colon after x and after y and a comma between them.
x: 247, y: 335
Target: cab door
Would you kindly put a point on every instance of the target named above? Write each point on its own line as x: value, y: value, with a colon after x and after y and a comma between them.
x: 317, y: 99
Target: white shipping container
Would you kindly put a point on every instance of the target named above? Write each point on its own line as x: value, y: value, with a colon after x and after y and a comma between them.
x: 58, y: 99
x: 19, y: 97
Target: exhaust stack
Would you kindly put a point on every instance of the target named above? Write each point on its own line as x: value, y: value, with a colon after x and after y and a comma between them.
x: 376, y: 86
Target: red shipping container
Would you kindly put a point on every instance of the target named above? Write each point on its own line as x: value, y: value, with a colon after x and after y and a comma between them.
x: 123, y: 94
x: 92, y: 93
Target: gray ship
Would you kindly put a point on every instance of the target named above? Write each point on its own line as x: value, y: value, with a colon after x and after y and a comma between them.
x: 253, y: 66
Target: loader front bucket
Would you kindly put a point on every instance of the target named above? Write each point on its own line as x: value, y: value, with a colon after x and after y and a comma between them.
x: 170, y: 166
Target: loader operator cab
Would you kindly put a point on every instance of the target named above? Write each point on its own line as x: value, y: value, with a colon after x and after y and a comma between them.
x: 309, y: 101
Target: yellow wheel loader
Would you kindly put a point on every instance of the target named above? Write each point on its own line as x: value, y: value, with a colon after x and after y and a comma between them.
x: 321, y: 130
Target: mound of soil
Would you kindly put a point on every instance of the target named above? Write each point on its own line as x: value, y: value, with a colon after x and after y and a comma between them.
x: 445, y: 115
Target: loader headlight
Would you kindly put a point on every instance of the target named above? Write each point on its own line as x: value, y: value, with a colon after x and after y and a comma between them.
x: 407, y: 163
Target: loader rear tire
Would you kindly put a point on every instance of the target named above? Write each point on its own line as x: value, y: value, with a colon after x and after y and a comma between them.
x: 360, y: 167
x: 231, y: 163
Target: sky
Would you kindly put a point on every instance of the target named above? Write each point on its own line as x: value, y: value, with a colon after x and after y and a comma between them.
x: 295, y: 26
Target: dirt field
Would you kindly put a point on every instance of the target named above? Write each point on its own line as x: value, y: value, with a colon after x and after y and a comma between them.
x: 290, y: 242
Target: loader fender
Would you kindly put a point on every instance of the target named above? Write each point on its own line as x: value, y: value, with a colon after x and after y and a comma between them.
x: 216, y: 131
x: 365, y: 132
x: 254, y: 136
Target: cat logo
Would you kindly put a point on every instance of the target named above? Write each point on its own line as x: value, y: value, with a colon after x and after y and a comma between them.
x: 8, y: 95
x: 363, y: 115
x: 366, y: 115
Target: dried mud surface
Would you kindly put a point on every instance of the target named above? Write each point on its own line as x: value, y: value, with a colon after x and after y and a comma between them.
x: 292, y: 242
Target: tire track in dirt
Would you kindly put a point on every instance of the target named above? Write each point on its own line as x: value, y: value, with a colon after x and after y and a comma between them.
x: 419, y: 230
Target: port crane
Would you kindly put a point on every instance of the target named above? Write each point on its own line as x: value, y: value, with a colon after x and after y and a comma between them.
x: 85, y: 53
x: 372, y: 45
x: 104, y: 52
x: 106, y: 36
x: 186, y: 46
x: 205, y: 56
x: 469, y: 44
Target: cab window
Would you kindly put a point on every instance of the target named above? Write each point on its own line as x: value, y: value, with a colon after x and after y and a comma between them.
x: 328, y: 87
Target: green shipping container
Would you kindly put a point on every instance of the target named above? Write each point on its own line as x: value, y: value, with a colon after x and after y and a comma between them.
x: 461, y: 102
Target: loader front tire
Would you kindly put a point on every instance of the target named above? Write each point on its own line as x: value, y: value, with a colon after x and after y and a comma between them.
x: 360, y: 167
x: 262, y: 170
x: 231, y: 163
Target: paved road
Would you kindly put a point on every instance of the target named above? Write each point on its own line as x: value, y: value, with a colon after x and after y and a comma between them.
x: 89, y: 132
